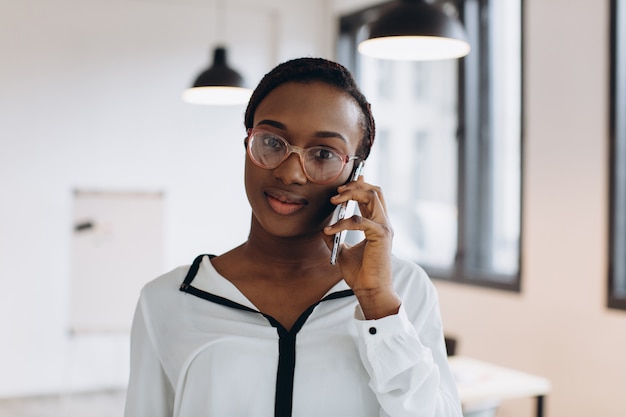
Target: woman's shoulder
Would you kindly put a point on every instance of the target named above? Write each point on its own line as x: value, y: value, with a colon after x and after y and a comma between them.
x: 409, y: 272
x: 164, y: 285
x: 413, y: 284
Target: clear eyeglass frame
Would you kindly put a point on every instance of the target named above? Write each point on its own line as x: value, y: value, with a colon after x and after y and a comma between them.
x: 302, y: 152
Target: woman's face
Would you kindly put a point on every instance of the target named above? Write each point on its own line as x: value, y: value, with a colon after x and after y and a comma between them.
x: 284, y: 202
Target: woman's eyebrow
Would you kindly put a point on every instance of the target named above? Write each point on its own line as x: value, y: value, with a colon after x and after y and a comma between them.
x: 330, y: 134
x: 273, y: 123
x: 322, y: 134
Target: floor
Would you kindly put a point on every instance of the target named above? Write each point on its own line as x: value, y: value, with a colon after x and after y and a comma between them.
x: 96, y: 404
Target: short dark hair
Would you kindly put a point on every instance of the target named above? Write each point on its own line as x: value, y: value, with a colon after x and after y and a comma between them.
x: 305, y: 70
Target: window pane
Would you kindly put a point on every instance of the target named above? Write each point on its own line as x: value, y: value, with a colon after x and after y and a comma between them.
x: 505, y: 118
x: 448, y: 147
x: 415, y: 159
x: 491, y: 148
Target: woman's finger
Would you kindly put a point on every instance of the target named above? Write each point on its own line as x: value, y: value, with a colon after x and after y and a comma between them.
x: 360, y: 184
x: 368, y: 199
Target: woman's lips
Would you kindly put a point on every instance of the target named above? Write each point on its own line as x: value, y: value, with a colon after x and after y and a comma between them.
x: 284, y: 204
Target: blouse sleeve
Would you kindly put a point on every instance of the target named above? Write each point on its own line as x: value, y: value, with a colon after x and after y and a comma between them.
x: 150, y: 392
x: 407, y: 364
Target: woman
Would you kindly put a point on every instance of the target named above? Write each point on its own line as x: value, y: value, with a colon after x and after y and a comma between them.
x: 272, y: 327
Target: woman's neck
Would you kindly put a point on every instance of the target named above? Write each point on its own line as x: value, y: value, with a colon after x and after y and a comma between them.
x: 290, y: 253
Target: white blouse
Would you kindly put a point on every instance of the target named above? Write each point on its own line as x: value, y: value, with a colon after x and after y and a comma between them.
x: 203, y: 349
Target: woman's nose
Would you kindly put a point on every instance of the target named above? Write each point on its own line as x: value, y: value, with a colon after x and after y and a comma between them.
x: 291, y: 171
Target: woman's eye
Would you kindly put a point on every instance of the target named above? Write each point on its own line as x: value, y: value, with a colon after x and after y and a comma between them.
x: 324, y: 154
x: 272, y: 142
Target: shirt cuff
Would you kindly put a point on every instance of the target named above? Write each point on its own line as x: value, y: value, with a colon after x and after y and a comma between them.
x: 384, y: 327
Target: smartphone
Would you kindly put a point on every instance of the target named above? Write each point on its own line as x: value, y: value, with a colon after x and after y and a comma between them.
x: 342, y: 211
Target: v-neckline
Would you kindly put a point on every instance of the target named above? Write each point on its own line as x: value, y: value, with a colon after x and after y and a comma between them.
x: 208, y: 279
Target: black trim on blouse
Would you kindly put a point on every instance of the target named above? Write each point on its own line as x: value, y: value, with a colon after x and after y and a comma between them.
x: 283, y: 402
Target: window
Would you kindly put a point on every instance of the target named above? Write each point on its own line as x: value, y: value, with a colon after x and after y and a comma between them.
x: 448, y: 148
x: 617, y: 233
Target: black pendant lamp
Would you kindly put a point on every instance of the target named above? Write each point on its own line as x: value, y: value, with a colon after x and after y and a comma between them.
x: 415, y: 30
x: 219, y: 85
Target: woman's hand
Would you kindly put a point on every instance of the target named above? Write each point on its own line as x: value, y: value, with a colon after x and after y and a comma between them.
x: 366, y: 266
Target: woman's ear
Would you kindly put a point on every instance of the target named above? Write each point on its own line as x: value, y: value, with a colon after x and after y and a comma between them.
x: 245, y: 140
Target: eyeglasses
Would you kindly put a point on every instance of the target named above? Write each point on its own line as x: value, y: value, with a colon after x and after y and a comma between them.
x: 320, y: 164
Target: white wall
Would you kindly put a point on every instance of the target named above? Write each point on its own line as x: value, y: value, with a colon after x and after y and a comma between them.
x: 90, y: 98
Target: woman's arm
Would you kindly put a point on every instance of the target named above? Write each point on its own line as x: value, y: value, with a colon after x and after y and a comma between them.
x: 150, y: 392
x: 404, y: 354
x: 407, y: 365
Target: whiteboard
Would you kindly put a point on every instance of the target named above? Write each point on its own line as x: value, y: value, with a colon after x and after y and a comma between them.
x: 117, y: 247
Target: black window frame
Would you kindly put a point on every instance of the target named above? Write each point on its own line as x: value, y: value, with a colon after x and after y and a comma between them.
x: 617, y: 152
x: 474, y: 113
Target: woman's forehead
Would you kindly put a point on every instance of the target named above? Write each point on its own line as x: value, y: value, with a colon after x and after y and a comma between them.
x: 311, y: 105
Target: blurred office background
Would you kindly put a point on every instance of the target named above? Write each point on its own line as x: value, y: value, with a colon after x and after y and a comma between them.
x: 100, y: 159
